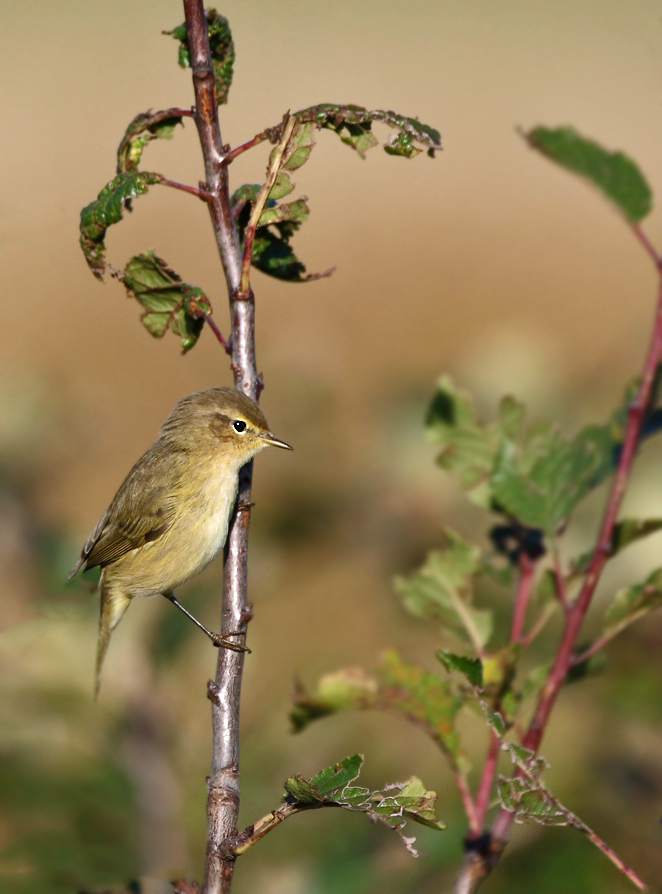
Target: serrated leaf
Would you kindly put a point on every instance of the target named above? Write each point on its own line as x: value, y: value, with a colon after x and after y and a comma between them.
x: 296, y: 212
x: 472, y: 668
x: 442, y: 591
x: 144, y: 128
x: 495, y: 720
x: 221, y: 47
x: 168, y: 302
x: 106, y: 210
x: 394, y: 805
x: 271, y: 251
x: 407, y: 689
x: 467, y: 446
x: 540, y: 478
x: 530, y: 800
x: 613, y: 173
x: 528, y: 472
x: 282, y: 187
x: 632, y: 603
x: 328, y: 784
x: 353, y: 124
x: 298, y: 149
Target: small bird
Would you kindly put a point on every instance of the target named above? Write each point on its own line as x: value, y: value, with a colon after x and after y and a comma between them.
x: 170, y: 517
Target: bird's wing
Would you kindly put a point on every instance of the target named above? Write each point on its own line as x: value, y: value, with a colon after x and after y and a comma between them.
x: 142, y: 511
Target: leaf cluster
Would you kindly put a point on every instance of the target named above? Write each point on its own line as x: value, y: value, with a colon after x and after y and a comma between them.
x: 529, y: 477
x: 395, y: 804
x: 168, y: 302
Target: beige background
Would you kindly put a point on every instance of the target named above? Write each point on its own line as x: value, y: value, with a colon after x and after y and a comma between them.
x: 486, y: 262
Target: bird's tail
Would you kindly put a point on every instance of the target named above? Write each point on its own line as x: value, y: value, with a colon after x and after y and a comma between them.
x: 114, y: 602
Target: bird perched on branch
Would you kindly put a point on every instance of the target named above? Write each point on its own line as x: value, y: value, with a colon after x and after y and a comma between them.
x: 170, y: 517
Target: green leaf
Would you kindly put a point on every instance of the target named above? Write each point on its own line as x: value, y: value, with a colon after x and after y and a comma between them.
x: 328, y: 784
x: 467, y: 446
x: 472, y: 668
x: 107, y: 209
x: 353, y: 124
x: 144, y: 128
x: 529, y: 472
x: 298, y: 149
x: 421, y: 697
x: 443, y: 588
x: 393, y: 806
x: 540, y: 477
x: 495, y: 720
x: 168, y: 302
x: 271, y: 251
x: 296, y: 212
x: 222, y: 51
x: 613, y: 173
x: 632, y: 603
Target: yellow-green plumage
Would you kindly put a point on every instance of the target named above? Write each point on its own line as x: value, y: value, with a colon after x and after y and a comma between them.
x: 170, y: 516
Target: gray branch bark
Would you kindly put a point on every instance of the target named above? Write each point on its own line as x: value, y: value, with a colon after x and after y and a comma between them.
x: 223, y: 785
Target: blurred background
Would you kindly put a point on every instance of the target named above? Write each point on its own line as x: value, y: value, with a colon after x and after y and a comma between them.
x: 488, y: 263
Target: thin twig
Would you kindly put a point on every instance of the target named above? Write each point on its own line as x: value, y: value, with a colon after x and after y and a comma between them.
x: 193, y: 190
x: 467, y: 801
x: 260, y: 202
x: 217, y: 332
x: 526, y: 575
x: 561, y: 590
x: 487, y: 779
x: 230, y: 156
x: 595, y: 646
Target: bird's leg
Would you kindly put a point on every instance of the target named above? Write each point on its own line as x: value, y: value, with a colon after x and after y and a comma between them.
x: 217, y: 639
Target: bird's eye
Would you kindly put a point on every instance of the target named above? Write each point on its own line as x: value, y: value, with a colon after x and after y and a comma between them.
x: 239, y: 425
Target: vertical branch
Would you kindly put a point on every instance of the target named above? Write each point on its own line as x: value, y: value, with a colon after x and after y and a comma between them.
x: 223, y: 785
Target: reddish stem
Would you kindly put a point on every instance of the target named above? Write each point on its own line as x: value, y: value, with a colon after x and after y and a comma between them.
x: 468, y: 804
x: 527, y: 572
x: 487, y: 779
x: 527, y: 569
x: 576, y: 611
x: 193, y: 190
x: 219, y: 335
x: 229, y: 157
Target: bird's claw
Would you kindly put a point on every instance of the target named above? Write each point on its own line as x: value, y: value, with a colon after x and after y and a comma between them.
x: 222, y: 641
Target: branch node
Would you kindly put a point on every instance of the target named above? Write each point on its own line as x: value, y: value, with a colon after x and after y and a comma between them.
x: 213, y: 693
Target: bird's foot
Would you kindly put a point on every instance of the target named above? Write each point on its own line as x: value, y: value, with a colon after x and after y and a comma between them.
x: 222, y: 641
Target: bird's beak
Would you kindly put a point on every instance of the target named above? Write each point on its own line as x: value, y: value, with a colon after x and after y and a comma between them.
x: 274, y: 441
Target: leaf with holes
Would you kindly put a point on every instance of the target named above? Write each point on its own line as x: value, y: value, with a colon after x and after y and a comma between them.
x: 472, y: 668
x: 169, y: 303
x: 394, y: 805
x: 221, y: 46
x: 272, y: 253
x: 106, y: 210
x: 144, y: 128
x: 353, y: 124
